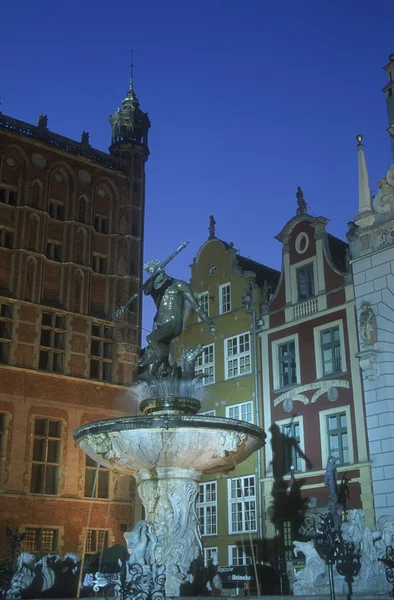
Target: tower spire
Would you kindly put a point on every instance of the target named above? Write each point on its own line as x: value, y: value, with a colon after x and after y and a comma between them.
x: 131, y: 72
x: 389, y: 93
x: 365, y: 215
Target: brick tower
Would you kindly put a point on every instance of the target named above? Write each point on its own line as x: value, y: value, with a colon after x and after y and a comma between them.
x: 71, y: 232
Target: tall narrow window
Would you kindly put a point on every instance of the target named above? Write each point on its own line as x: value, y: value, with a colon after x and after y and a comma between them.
x: 36, y: 193
x: 54, y: 251
x: 5, y: 332
x: 292, y: 457
x: 209, y: 552
x: 78, y: 292
x: 6, y: 238
x: 237, y: 355
x: 99, y: 263
x: 331, y: 351
x: 101, y: 223
x: 306, y: 282
x: 53, y: 331
x: 40, y: 540
x: 224, y: 298
x: 96, y: 540
x: 242, y: 504
x: 338, y: 438
x: 80, y: 247
x: 206, y: 508
x: 101, y: 352
x: 30, y: 280
x: 8, y: 194
x: 101, y: 489
x: 287, y: 364
x: 3, y: 431
x: 203, y: 300
x: 56, y: 209
x: 205, y: 364
x: 46, y: 457
x: 83, y: 210
x: 34, y: 224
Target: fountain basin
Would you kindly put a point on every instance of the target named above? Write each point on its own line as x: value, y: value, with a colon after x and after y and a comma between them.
x: 139, y: 443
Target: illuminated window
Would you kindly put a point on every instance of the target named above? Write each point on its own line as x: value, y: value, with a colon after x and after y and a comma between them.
x: 101, y: 352
x: 40, y: 540
x: 224, y: 298
x: 205, y: 363
x: 243, y: 411
x: 46, y: 456
x: 101, y: 488
x: 242, y: 504
x: 5, y: 332
x: 237, y: 355
x: 207, y: 508
x: 96, y: 540
x: 53, y: 331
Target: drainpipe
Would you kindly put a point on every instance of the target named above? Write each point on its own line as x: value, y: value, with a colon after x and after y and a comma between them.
x: 251, y: 309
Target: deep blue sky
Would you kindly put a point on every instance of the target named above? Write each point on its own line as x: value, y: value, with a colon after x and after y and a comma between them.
x: 247, y: 100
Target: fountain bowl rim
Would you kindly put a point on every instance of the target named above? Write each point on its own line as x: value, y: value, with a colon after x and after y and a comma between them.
x: 168, y: 421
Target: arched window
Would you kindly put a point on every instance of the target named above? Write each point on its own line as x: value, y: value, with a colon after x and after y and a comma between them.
x: 58, y: 195
x: 80, y: 247
x: 83, y: 209
x: 30, y: 279
x: 34, y: 226
x: 10, y: 170
x: 36, y: 194
x: 78, y: 292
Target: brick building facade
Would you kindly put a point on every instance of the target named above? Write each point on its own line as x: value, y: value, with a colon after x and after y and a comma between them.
x: 71, y: 233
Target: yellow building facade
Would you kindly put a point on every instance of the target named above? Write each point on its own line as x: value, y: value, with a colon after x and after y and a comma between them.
x: 232, y: 289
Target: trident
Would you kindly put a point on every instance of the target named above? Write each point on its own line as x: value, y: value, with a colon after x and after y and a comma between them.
x: 130, y: 301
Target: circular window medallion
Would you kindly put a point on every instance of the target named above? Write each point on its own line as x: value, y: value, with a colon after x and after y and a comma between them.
x: 38, y: 161
x: 58, y: 177
x: 11, y: 162
x: 288, y: 404
x: 302, y: 242
x: 212, y: 270
x: 332, y: 394
x: 101, y: 193
x: 84, y: 177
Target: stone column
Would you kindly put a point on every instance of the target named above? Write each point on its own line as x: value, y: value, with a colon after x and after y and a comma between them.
x: 169, y: 498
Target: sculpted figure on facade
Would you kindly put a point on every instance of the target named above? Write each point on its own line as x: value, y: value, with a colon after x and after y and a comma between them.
x: 330, y: 478
x: 368, y: 329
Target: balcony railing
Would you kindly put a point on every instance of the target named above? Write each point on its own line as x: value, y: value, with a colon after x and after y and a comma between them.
x: 309, y: 307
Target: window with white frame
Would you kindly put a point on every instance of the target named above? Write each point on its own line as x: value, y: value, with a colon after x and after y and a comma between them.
x: 286, y: 362
x: 237, y: 355
x: 240, y: 555
x: 96, y: 540
x: 209, y: 554
x: 292, y: 457
x: 329, y: 343
x: 224, y: 298
x: 207, y: 508
x: 242, y: 411
x: 205, y: 364
x: 305, y: 282
x: 242, y: 504
x: 203, y: 300
x: 40, y: 539
x: 336, y: 435
x: 208, y: 413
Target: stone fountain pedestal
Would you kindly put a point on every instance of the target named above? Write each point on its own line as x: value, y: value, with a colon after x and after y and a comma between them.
x: 168, y: 450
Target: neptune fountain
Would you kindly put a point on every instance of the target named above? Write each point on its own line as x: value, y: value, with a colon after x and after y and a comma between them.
x: 170, y: 447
